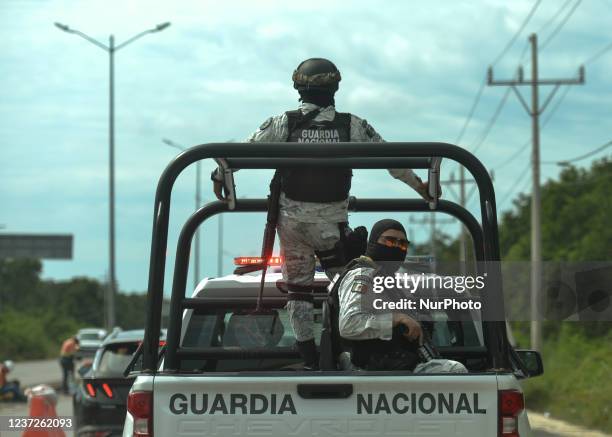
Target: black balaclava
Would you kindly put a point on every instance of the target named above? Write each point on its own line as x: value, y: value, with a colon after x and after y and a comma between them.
x: 380, y: 252
x: 319, y: 98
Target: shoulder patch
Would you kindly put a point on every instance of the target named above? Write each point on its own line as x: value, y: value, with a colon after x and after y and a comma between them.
x: 266, y: 124
x: 361, y: 284
x: 369, y: 130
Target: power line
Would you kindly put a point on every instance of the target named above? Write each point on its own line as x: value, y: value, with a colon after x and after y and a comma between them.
x: 514, y: 187
x: 472, y: 109
x: 501, y: 54
x: 556, y: 106
x: 598, y: 54
x: 560, y: 25
x: 493, y: 119
x: 518, y: 32
x: 581, y: 157
x: 554, y: 17
x: 514, y: 155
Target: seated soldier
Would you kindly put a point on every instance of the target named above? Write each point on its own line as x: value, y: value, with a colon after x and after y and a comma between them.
x: 382, y: 340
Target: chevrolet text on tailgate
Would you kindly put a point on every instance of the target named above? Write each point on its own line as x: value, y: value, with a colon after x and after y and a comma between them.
x: 227, y: 370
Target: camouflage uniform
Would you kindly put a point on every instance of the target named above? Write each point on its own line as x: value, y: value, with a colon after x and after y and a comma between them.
x: 304, y: 227
x: 355, y: 322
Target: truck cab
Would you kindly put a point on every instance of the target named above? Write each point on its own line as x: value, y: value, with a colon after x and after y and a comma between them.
x: 227, y: 370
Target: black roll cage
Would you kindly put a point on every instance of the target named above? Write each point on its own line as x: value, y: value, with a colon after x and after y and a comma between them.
x: 332, y: 155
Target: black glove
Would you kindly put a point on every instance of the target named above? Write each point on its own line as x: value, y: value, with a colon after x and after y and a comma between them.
x: 355, y: 242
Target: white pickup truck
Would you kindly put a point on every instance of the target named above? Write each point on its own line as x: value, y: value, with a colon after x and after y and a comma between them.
x: 248, y: 395
x: 226, y: 372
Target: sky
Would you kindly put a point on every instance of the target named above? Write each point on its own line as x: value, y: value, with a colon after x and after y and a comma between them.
x: 412, y: 69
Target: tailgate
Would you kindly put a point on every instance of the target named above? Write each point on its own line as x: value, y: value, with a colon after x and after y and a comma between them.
x: 362, y: 405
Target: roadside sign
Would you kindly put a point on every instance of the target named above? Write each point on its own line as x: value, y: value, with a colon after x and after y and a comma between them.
x: 40, y: 246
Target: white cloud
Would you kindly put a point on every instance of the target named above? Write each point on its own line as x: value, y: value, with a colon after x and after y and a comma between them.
x: 223, y: 67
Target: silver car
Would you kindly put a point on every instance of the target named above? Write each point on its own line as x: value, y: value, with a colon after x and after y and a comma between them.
x: 90, y: 339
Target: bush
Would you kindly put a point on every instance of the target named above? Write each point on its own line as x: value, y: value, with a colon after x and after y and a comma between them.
x: 576, y: 385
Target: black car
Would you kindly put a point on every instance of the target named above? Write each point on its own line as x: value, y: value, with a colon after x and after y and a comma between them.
x: 100, y: 400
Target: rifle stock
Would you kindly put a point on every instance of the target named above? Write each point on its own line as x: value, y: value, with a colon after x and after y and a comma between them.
x: 269, y: 233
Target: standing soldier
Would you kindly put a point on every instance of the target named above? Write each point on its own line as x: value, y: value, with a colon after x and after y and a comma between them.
x: 314, y: 201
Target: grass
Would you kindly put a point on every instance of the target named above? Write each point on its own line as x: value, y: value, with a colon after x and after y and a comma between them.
x: 577, y: 381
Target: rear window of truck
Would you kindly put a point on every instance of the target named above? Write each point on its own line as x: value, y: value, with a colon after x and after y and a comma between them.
x: 240, y: 329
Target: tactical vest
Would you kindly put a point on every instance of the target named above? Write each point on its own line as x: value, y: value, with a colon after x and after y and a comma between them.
x: 375, y: 354
x: 310, y: 184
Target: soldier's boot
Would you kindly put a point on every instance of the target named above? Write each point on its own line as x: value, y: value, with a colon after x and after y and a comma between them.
x: 308, y: 351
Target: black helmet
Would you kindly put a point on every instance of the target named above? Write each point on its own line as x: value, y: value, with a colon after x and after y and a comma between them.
x: 316, y: 74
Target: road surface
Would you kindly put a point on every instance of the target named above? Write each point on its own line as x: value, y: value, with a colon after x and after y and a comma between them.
x: 48, y: 371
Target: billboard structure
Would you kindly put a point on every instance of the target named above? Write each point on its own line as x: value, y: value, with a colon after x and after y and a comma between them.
x: 39, y: 246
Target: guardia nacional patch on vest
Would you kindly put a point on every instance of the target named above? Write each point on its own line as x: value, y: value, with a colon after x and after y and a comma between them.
x: 316, y: 184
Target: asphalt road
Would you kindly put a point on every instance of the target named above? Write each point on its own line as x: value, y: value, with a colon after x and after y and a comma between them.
x: 49, y: 372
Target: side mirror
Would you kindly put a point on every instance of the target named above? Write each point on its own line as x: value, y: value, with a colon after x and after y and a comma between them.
x: 532, y: 362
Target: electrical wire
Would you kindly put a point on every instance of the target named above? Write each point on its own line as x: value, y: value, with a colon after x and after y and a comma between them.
x: 581, y: 157
x: 554, y: 17
x: 493, y: 119
x: 598, y: 54
x: 501, y: 54
x: 518, y: 32
x: 514, y: 155
x: 512, y: 190
x: 555, y: 107
x: 472, y: 109
x: 560, y: 25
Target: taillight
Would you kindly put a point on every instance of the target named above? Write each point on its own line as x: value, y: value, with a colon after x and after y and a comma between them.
x: 107, y: 390
x: 140, y: 406
x: 511, y: 404
x: 91, y: 391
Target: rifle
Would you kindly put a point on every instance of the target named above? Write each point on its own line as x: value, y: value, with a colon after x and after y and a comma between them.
x: 268, y: 239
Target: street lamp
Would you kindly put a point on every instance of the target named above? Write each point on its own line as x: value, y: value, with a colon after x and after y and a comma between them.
x: 111, y: 49
x: 198, y: 202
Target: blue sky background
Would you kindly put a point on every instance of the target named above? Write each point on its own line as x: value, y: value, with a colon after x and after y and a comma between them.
x: 412, y: 69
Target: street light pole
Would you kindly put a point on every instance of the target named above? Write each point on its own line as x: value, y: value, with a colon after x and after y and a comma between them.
x: 198, y: 202
x: 112, y: 286
x: 111, y: 49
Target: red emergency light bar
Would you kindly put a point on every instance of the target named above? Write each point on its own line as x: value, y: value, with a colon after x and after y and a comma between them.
x: 251, y: 260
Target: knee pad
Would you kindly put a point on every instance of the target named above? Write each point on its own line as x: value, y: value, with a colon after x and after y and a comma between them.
x: 300, y: 292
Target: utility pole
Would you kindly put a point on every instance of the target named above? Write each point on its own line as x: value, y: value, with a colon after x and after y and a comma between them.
x: 535, y: 111
x: 431, y: 221
x: 462, y: 181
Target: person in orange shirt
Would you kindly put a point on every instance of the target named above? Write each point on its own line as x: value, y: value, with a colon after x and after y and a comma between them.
x: 69, y: 348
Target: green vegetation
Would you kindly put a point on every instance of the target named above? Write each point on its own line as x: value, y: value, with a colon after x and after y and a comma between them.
x: 576, y: 385
x: 37, y: 315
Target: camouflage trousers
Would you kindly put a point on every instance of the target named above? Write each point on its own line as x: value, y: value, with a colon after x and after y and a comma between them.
x: 298, y: 242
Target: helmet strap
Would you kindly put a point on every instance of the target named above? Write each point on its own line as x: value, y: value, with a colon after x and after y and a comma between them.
x: 319, y: 98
